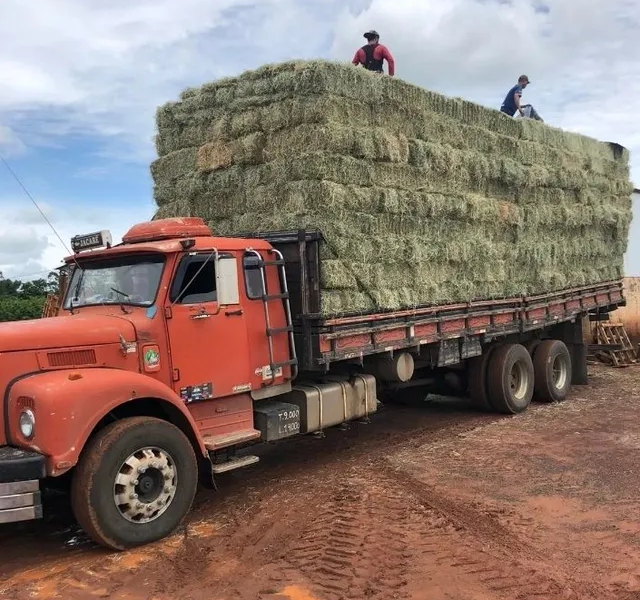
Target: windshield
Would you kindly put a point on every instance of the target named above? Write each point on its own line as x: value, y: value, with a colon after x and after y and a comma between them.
x: 124, y: 280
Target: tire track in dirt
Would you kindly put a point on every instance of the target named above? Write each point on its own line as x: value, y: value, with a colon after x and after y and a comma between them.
x: 493, y: 554
x: 375, y: 535
x: 354, y: 547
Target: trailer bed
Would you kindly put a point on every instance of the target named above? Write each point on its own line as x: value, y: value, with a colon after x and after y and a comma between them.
x: 448, y: 334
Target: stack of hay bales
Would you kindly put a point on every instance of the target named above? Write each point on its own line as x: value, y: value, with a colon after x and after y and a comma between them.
x: 422, y: 199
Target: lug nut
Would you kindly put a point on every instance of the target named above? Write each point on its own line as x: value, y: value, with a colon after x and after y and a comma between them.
x: 142, y: 470
x: 139, y: 506
x: 135, y: 482
x: 167, y: 477
x: 167, y: 490
x: 133, y: 496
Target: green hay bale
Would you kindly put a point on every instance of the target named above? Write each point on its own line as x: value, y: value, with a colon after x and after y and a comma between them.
x: 336, y: 275
x: 320, y: 78
x: 344, y: 170
x: 174, y: 165
x: 335, y: 302
x: 422, y: 199
x: 423, y: 125
x: 369, y: 143
x: 249, y: 150
x: 174, y: 209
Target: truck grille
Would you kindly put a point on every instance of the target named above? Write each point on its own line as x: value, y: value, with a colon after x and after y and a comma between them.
x: 71, y: 358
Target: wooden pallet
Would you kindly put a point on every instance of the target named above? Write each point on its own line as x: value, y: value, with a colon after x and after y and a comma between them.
x: 615, y: 335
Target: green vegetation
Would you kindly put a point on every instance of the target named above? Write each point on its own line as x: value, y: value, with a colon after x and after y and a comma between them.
x: 24, y: 300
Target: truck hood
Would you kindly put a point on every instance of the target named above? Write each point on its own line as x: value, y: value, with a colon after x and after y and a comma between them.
x: 64, y: 332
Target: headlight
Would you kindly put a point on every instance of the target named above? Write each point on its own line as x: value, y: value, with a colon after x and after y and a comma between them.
x: 27, y: 423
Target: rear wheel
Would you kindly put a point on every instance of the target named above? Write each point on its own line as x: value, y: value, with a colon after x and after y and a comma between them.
x: 553, y: 372
x: 135, y: 482
x: 478, y: 371
x: 510, y: 379
x: 532, y: 347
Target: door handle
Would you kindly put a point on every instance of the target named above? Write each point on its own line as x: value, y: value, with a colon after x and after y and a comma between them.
x: 233, y: 313
x: 201, y: 316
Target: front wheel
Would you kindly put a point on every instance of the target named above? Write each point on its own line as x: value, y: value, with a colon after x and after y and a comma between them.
x: 135, y: 482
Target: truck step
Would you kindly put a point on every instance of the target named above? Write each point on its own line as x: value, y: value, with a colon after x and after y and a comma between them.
x: 235, y: 463
x: 224, y: 440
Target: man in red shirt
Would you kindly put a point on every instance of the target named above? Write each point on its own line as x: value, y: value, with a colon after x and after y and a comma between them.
x: 373, y: 55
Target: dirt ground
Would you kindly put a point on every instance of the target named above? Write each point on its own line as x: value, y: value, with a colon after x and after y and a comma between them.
x: 430, y: 503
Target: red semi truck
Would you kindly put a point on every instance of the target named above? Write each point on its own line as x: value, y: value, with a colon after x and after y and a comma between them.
x: 175, y: 351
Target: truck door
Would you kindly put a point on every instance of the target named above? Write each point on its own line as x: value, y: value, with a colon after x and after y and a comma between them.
x: 262, y: 288
x: 208, y: 339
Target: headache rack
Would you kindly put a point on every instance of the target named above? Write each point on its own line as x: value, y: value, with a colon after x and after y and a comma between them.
x: 453, y: 332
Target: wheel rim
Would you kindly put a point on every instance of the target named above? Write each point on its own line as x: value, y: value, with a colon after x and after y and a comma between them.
x: 560, y: 372
x: 519, y: 380
x: 145, y: 485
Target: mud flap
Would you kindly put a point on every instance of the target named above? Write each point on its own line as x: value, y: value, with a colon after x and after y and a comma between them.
x: 207, y: 479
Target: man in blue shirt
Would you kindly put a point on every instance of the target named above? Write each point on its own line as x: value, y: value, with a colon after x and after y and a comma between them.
x: 511, y: 104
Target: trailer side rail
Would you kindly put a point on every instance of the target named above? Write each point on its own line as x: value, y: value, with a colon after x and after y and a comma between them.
x: 339, y: 339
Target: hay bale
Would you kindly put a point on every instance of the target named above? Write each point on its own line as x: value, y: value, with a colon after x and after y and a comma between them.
x: 370, y: 143
x: 422, y: 199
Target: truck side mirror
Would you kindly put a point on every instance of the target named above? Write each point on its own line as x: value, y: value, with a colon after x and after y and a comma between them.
x: 227, y: 280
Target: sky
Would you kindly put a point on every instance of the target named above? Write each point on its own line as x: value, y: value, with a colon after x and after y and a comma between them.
x: 81, y: 81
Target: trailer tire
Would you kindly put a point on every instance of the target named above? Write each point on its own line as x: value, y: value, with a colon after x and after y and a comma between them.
x: 478, y: 372
x: 510, y: 379
x: 553, y: 371
x: 135, y: 482
x: 532, y: 347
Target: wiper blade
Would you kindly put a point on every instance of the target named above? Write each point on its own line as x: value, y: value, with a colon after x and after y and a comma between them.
x: 119, y: 292
x: 124, y: 296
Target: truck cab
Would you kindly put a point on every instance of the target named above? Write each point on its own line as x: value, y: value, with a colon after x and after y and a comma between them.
x: 150, y: 372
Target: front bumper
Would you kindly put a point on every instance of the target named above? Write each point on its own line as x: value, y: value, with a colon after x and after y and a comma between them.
x: 20, y: 474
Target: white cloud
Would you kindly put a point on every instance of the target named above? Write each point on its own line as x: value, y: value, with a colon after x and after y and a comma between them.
x: 10, y: 143
x: 97, y: 172
x: 102, y: 67
x: 582, y: 56
x: 76, y: 67
x: 30, y: 247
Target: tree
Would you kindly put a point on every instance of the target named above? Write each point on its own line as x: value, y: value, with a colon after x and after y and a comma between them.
x: 18, y: 309
x: 9, y: 287
x: 22, y: 300
x: 53, y: 281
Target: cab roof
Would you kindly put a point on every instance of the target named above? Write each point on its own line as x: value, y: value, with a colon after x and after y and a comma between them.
x: 167, y: 236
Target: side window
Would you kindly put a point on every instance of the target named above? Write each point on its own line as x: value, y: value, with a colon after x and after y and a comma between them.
x: 252, y: 277
x: 195, y: 280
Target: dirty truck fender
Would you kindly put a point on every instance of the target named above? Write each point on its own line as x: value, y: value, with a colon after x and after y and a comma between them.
x: 68, y: 404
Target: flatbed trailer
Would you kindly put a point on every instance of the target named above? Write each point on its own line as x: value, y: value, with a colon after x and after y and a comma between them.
x: 443, y: 335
